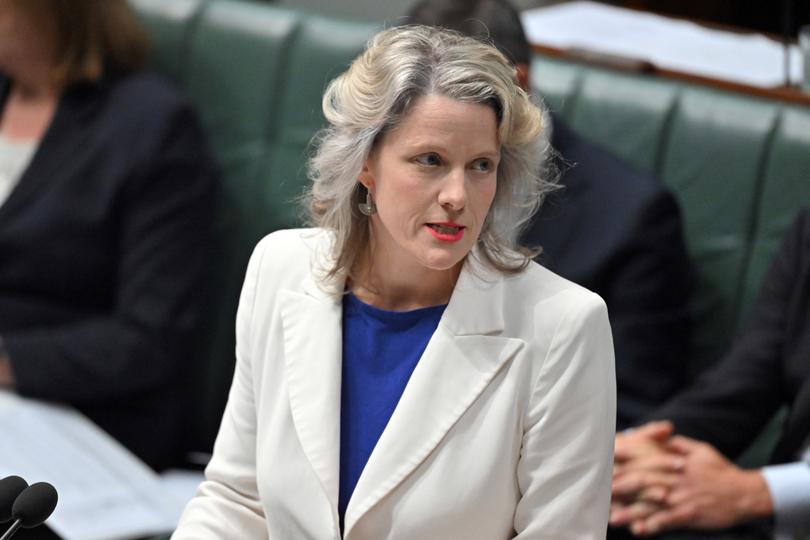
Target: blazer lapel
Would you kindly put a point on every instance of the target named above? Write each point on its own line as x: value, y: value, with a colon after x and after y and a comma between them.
x: 312, y: 345
x: 462, y: 357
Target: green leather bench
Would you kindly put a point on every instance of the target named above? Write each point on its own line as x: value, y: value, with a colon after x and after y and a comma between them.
x: 739, y: 166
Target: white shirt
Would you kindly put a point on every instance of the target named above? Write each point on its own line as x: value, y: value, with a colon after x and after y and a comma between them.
x: 789, y: 485
x: 15, y: 157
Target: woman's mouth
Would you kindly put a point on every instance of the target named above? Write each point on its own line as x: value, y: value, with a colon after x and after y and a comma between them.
x: 446, y: 232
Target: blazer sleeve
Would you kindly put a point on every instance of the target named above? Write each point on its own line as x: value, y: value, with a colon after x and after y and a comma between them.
x: 564, y: 472
x: 227, y: 503
x: 732, y: 402
x: 163, y: 222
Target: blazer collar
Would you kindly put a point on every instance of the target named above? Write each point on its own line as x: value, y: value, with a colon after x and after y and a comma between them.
x: 462, y: 357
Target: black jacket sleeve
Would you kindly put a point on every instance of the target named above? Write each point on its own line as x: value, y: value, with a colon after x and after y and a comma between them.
x: 651, y: 280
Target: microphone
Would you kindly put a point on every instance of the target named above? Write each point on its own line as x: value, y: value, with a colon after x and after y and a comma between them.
x: 10, y: 488
x: 33, y: 506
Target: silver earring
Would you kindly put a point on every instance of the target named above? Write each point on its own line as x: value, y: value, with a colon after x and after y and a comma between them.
x: 367, y: 208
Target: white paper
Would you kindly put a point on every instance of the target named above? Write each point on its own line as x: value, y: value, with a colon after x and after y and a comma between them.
x: 182, y: 486
x: 105, y: 493
x: 751, y: 59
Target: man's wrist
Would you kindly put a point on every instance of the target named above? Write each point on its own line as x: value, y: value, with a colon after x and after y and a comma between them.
x: 755, y: 500
x: 789, y: 484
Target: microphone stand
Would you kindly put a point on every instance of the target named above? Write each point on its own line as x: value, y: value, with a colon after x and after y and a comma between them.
x: 11, y: 530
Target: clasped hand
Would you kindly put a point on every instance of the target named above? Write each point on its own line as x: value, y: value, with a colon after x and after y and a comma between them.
x: 663, y: 481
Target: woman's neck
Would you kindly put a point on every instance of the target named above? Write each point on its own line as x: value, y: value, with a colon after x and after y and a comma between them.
x: 28, y: 111
x: 384, y: 294
x: 384, y: 283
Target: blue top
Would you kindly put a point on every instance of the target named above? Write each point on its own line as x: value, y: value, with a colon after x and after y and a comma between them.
x: 380, y: 351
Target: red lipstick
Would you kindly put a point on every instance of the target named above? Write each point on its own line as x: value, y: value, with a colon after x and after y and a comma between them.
x: 446, y: 231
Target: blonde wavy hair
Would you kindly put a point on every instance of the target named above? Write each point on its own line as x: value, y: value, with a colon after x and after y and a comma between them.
x: 398, y: 66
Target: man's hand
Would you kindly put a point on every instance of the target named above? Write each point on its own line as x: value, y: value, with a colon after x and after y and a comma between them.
x: 636, y: 443
x: 644, y: 471
x: 710, y: 493
x: 6, y: 375
x: 6, y: 379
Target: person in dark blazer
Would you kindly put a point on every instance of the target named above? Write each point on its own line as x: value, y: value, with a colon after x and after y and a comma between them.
x: 106, y: 196
x: 668, y: 482
x: 611, y: 228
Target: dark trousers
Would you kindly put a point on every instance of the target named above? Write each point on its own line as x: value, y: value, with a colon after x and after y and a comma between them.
x: 44, y: 533
x: 760, y: 530
x: 37, y: 533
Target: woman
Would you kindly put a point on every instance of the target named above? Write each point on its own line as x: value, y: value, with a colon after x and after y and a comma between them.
x: 106, y: 191
x: 404, y: 370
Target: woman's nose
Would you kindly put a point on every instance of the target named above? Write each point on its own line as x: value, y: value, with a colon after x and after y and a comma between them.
x: 453, y: 193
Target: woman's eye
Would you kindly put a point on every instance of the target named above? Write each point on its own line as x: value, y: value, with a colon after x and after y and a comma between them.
x: 483, y: 165
x: 428, y: 160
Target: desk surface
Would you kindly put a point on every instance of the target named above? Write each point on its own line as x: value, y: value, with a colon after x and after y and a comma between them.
x: 643, y: 42
x: 783, y: 93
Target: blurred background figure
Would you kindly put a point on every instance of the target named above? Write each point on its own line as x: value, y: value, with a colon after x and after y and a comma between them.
x: 663, y: 482
x: 106, y: 193
x: 611, y: 228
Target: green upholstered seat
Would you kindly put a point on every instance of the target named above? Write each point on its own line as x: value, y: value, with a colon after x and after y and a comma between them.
x: 169, y: 24
x: 713, y: 160
x: 629, y: 113
x: 257, y: 73
x: 557, y: 81
x: 786, y: 185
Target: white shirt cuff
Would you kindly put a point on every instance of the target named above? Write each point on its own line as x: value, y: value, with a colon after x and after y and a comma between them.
x: 789, y: 485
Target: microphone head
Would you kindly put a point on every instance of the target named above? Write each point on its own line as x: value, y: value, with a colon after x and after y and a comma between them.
x: 35, y: 504
x: 10, y: 488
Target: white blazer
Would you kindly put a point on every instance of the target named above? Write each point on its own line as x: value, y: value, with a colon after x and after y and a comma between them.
x: 504, y: 430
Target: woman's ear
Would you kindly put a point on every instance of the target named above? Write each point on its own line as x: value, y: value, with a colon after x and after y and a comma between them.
x: 366, y: 177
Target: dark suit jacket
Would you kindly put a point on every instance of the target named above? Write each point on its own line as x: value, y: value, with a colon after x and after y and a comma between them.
x: 767, y: 367
x: 103, y: 244
x: 618, y: 232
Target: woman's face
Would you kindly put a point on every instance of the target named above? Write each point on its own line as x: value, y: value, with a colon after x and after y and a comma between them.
x: 23, y: 39
x: 433, y: 178
x: 8, y: 33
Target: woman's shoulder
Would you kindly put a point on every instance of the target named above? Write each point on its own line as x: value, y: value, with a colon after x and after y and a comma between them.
x: 537, y: 284
x: 301, y: 241
x: 541, y: 300
x: 557, y: 318
x: 292, y: 252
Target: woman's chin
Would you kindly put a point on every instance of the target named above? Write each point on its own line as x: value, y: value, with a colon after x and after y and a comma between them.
x: 444, y: 259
